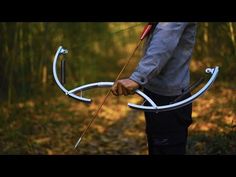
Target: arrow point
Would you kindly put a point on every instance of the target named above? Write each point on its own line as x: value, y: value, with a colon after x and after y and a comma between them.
x: 77, y: 143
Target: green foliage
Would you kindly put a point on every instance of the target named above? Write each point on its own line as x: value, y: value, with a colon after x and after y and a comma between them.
x: 27, y: 51
x: 216, y: 45
x: 35, y: 120
x: 96, y: 52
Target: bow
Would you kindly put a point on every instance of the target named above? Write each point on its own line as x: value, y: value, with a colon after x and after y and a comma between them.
x: 152, y: 108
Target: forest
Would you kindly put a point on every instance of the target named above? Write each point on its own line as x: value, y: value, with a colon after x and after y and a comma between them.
x: 37, y: 118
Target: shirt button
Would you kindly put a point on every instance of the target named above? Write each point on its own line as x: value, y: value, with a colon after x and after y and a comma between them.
x: 142, y: 79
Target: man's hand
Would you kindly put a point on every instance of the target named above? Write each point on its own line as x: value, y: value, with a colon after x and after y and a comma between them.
x: 124, y: 87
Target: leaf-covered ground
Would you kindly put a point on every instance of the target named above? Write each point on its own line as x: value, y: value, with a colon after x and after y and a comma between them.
x: 53, y: 125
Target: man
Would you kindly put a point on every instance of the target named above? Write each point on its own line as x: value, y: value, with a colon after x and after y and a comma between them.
x: 164, y: 73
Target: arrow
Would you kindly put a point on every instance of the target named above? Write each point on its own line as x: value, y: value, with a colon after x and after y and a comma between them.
x: 145, y: 32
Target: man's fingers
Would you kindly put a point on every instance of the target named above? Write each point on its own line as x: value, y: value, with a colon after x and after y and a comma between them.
x: 119, y: 89
x: 114, y: 89
x: 125, y: 91
x: 124, y: 87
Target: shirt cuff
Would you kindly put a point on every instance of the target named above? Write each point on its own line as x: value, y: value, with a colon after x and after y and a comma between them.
x: 137, y: 77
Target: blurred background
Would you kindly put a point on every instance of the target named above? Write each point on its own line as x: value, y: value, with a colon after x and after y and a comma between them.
x: 37, y: 118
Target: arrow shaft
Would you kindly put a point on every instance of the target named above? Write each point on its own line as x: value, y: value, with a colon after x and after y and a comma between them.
x: 143, y: 35
x: 106, y: 97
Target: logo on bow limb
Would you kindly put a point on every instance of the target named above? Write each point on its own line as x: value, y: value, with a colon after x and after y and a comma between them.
x: 178, y: 103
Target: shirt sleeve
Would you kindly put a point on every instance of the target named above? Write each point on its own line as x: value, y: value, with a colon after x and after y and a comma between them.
x: 163, y: 43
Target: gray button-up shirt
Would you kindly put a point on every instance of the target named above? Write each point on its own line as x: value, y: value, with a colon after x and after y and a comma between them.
x: 164, y: 69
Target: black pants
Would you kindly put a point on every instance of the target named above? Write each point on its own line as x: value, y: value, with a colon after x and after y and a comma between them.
x: 167, y: 132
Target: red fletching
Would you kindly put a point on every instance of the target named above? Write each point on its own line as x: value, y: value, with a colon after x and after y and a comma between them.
x: 146, y: 31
